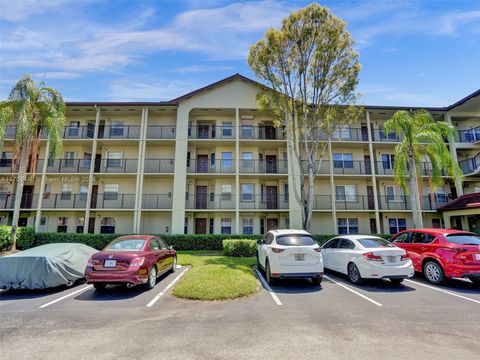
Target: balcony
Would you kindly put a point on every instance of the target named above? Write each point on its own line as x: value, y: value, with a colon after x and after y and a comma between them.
x: 261, y: 133
x: 208, y: 166
x: 66, y: 166
x: 351, y: 167
x: 395, y: 202
x: 211, y: 132
x: 267, y: 166
x: 64, y: 201
x: 79, y: 132
x: 119, y: 132
x: 6, y: 201
x: 6, y: 166
x: 471, y: 165
x: 468, y: 135
x: 383, y: 168
x: 161, y: 166
x: 380, y: 135
x: 157, y: 201
x: 161, y: 132
x: 433, y: 201
x: 264, y: 202
x: 323, y: 164
x: 354, y: 202
x: 210, y: 201
x: 350, y: 134
x: 113, y: 201
x: 116, y: 166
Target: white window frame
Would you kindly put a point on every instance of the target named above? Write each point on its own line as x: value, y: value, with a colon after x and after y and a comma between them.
x: 247, y: 223
x: 349, y: 195
x: 226, y: 223
x: 248, y: 193
x: 348, y: 226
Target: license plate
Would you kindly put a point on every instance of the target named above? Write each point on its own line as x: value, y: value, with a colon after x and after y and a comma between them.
x: 391, y: 259
x: 477, y: 256
x: 110, y: 263
x: 299, y: 257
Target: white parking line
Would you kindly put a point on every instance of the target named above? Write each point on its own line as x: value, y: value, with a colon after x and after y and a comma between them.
x: 444, y: 291
x: 351, y: 290
x: 161, y: 293
x: 269, y: 289
x: 66, y: 296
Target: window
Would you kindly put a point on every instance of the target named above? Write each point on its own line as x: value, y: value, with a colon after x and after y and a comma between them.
x: 116, y: 128
x: 346, y: 244
x: 110, y: 192
x: 62, y: 224
x: 247, y: 192
x: 69, y: 159
x: 247, y: 162
x: 387, y: 161
x: 464, y: 239
x: 126, y: 245
x: 154, y: 245
x: 421, y: 238
x: 212, y: 160
x: 396, y: 225
x: 114, y: 159
x: 226, y: 192
x: 66, y: 192
x: 285, y: 193
x: 74, y: 128
x: 107, y: 225
x: 346, y: 193
x: 227, y: 162
x: 248, y: 226
x: 226, y: 226
x: 43, y: 224
x: 342, y: 132
x: 394, y: 193
x: 83, y: 192
x: 388, y: 136
x: 247, y: 130
x: 227, y: 129
x: 6, y: 159
x: 162, y: 243
x: 80, y: 224
x: 332, y: 244
x: 403, y: 238
x: 295, y: 240
x: 87, y: 160
x: 342, y: 161
x: 375, y: 243
x: 437, y: 223
x: 347, y: 225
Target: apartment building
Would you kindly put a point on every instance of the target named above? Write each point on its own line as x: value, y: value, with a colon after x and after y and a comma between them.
x: 211, y: 162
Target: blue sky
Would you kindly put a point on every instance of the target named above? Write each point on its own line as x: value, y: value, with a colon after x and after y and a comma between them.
x: 419, y: 53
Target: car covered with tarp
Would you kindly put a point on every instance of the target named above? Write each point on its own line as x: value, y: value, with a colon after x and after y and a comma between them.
x: 45, y: 266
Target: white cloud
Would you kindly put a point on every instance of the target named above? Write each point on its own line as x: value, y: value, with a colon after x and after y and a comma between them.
x: 18, y: 10
x: 128, y: 90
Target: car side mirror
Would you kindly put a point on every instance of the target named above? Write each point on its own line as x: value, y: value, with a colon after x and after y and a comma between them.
x: 259, y: 242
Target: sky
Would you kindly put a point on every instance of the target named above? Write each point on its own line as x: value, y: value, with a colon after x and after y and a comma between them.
x: 418, y: 53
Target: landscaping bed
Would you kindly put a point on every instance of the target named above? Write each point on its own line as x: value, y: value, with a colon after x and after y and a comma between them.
x: 215, y: 277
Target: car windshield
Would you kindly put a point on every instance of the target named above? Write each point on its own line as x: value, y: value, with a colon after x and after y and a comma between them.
x: 126, y: 245
x: 295, y: 240
x: 464, y: 239
x: 374, y: 243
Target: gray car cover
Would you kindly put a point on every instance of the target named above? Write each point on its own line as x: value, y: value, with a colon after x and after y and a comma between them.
x: 45, y: 266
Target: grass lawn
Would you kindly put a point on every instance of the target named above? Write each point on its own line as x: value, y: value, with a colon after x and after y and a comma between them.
x: 215, y: 277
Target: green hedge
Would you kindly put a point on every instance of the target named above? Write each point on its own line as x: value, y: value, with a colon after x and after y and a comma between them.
x: 239, y: 247
x: 25, y: 237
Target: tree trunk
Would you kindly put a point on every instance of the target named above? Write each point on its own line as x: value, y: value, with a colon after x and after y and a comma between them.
x: 412, y: 182
x: 309, y: 202
x: 18, y: 195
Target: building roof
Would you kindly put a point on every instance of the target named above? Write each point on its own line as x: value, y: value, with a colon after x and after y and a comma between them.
x: 464, y: 202
x: 238, y: 76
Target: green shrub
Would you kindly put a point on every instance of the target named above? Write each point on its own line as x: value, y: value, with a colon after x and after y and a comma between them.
x: 239, y: 247
x: 4, y: 237
x: 202, y: 241
x: 97, y: 241
x: 25, y: 238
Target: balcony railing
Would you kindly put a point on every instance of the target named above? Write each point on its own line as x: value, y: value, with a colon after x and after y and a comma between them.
x: 113, y: 201
x: 350, y: 134
x: 6, y: 201
x: 261, y: 133
x: 469, y: 135
x: 470, y: 165
x: 10, y: 133
x: 380, y: 135
x: 116, y: 165
x: 119, y: 132
x: 323, y: 164
x: 66, y: 165
x: 433, y: 202
x: 64, y: 201
x: 159, y: 165
x: 354, y: 202
x: 161, y: 132
x: 157, y: 201
x: 203, y: 166
x: 6, y: 166
x: 267, y: 166
x: 79, y: 132
x: 395, y: 202
x: 210, y: 201
x: 353, y: 167
x: 383, y: 167
x: 263, y: 202
x: 211, y: 132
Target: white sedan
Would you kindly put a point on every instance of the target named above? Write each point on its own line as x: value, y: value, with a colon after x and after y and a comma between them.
x: 290, y: 254
x: 367, y: 257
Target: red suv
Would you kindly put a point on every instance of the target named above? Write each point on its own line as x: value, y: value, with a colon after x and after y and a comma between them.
x: 441, y: 253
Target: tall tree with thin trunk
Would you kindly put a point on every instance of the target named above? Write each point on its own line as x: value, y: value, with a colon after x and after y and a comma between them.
x: 421, y: 150
x: 34, y: 110
x: 310, y: 72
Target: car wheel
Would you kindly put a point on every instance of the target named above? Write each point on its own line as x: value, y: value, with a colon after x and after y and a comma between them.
x: 433, y: 272
x: 396, y: 281
x: 99, y: 286
x: 354, y: 274
x: 174, y: 265
x: 268, y: 273
x: 152, y: 278
x: 316, y: 281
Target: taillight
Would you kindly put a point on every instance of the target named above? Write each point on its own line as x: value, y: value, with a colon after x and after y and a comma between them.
x: 277, y: 250
x: 371, y: 257
x: 405, y: 257
x: 90, y: 263
x: 137, y: 262
x: 318, y: 249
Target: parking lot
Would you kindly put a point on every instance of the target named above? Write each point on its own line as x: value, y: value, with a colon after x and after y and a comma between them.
x: 292, y: 319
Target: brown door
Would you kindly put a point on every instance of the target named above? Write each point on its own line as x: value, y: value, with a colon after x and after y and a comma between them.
x: 370, y: 199
x: 27, y: 197
x: 91, y: 225
x: 269, y: 132
x: 201, y: 197
x: 200, y: 226
x: 368, y: 165
x: 272, y: 224
x: 271, y: 198
x: 98, y: 162
x: 203, y: 131
x: 364, y: 133
x: 271, y: 164
x: 202, y: 163
x: 101, y: 130
x: 373, y: 226
x: 93, y: 203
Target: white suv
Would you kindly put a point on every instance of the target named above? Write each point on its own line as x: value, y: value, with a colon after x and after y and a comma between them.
x: 290, y: 254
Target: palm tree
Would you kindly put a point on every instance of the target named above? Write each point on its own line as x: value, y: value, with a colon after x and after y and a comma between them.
x: 422, y: 138
x: 33, y: 110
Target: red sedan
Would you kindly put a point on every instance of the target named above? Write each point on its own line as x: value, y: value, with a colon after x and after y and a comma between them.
x: 442, y: 253
x: 131, y: 260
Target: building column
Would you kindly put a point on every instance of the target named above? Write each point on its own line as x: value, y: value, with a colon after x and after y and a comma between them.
x: 140, y: 169
x: 294, y: 181
x: 332, y: 186
x: 374, y: 173
x: 42, y: 186
x: 237, y: 171
x: 453, y: 152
